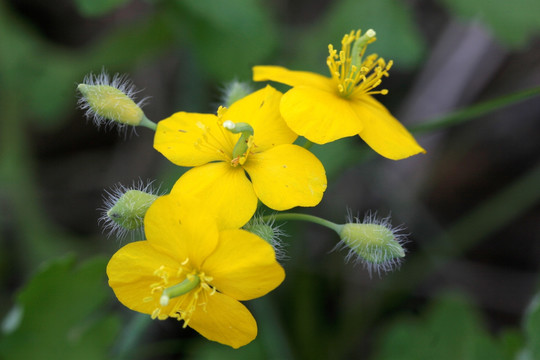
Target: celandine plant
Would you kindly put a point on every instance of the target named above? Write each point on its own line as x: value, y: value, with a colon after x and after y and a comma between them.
x: 205, y: 248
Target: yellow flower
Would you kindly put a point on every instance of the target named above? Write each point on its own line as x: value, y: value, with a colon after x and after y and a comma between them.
x: 324, y: 109
x: 281, y: 175
x: 192, y: 270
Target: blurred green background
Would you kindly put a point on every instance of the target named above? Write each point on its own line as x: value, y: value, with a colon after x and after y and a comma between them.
x: 470, y: 205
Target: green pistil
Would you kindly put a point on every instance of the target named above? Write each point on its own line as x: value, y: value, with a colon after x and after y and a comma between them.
x: 242, y: 144
x: 359, y: 47
x: 190, y: 283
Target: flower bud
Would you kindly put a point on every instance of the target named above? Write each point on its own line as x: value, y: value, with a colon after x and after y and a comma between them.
x: 111, y: 101
x: 234, y: 91
x: 124, y: 209
x: 264, y: 231
x: 373, y: 242
x: 129, y: 210
x: 269, y: 232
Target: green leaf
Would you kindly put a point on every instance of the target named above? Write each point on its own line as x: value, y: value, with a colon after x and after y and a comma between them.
x: 98, y: 7
x: 61, y: 314
x: 511, y: 341
x: 450, y: 329
x: 228, y: 36
x: 532, y: 329
x: 512, y: 22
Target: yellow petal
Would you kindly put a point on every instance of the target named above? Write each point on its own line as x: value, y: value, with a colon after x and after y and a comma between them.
x: 318, y: 115
x: 261, y: 110
x: 243, y: 265
x: 287, y: 176
x: 224, y: 320
x: 222, y: 191
x: 384, y: 133
x: 292, y: 78
x: 181, y: 229
x: 189, y: 139
x: 131, y: 272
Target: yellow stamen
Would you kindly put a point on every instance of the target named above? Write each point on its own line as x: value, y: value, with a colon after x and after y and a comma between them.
x: 241, y: 160
x: 184, y: 304
x: 209, y: 142
x: 352, y: 73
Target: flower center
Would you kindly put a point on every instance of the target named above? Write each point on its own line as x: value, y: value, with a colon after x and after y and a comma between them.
x: 214, y: 140
x: 245, y: 143
x: 221, y: 139
x: 187, y: 293
x: 352, y: 73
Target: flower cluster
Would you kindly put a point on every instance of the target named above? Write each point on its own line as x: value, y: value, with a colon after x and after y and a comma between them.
x: 205, y: 248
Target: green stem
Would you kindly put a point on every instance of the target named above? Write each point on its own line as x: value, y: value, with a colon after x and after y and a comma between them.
x: 305, y: 217
x: 272, y: 332
x: 307, y: 144
x: 482, y: 108
x: 148, y: 123
x: 131, y: 337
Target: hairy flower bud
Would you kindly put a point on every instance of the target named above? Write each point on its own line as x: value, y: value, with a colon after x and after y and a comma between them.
x: 124, y: 208
x: 373, y: 242
x: 234, y: 91
x: 107, y: 101
x: 268, y: 231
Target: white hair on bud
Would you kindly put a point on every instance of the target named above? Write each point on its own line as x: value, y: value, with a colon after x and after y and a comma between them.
x: 386, y: 266
x: 118, y: 81
x: 111, y: 197
x: 277, y: 242
x: 233, y: 91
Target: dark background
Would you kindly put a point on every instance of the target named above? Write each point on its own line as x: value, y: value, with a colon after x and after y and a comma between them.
x: 470, y: 205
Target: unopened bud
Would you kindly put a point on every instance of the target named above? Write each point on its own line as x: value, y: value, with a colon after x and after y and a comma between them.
x: 268, y: 231
x: 234, y: 91
x: 111, y: 101
x: 373, y: 242
x: 124, y: 209
x: 129, y: 210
